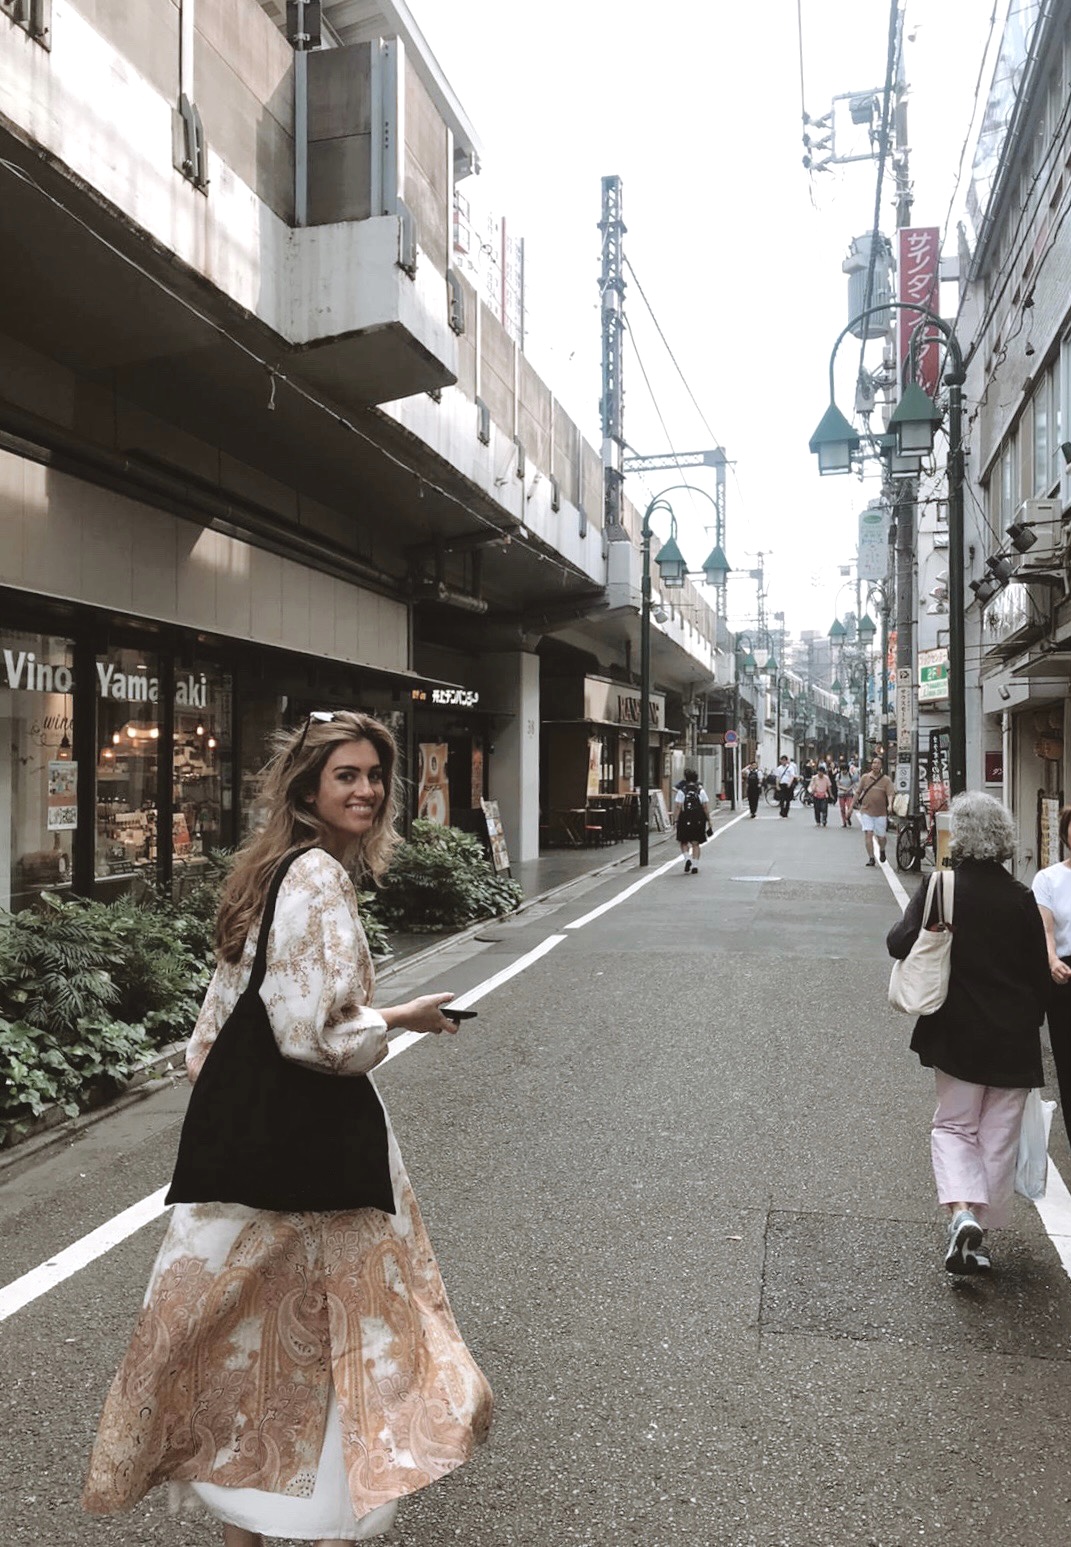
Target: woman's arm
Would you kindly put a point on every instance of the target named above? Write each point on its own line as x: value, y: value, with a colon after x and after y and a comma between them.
x: 1059, y: 972
x: 318, y: 968
x: 902, y: 936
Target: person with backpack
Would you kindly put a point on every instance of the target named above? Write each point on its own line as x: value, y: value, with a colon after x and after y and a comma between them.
x: 693, y: 819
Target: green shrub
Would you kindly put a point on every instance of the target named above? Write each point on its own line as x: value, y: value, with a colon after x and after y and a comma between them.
x: 442, y: 878
x: 38, y: 1069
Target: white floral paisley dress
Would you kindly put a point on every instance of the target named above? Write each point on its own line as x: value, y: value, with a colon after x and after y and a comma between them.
x: 299, y: 1372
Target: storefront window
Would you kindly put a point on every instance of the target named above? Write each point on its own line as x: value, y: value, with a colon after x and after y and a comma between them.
x: 128, y: 745
x: 203, y: 781
x: 261, y: 720
x: 38, y: 810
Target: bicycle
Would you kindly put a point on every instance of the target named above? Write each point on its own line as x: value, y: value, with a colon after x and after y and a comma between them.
x: 914, y: 835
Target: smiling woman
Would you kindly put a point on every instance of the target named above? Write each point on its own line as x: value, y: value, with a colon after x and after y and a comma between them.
x: 296, y: 1366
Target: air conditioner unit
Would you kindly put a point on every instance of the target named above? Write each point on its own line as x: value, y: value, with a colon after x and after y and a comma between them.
x: 1037, y: 529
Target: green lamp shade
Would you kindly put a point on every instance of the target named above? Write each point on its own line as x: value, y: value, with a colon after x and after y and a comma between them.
x: 914, y: 421
x: 749, y: 663
x: 867, y: 629
x: 716, y: 566
x: 838, y: 687
x: 834, y: 442
x: 671, y: 566
x: 838, y: 633
x: 771, y: 667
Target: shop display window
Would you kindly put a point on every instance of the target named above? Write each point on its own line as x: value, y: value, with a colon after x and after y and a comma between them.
x: 202, y: 771
x: 38, y: 808
x: 262, y: 718
x: 128, y: 749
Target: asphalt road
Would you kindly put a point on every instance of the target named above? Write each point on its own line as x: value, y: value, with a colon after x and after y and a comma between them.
x: 677, y: 1173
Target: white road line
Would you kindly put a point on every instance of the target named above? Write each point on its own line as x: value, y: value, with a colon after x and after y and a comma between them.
x: 1054, y: 1210
x: 474, y: 995
x: 630, y: 891
x: 73, y: 1258
x: 894, y: 885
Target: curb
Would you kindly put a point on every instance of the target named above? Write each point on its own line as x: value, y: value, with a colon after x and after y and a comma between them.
x: 167, y: 1065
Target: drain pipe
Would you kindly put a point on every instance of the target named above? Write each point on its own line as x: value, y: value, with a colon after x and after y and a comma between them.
x: 304, y: 16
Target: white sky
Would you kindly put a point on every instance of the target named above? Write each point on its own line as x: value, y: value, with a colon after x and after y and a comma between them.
x: 738, y: 250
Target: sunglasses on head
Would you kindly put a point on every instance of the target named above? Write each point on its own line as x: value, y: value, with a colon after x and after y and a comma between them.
x: 314, y: 717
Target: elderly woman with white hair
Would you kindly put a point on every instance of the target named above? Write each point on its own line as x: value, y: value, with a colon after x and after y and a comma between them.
x: 984, y: 1043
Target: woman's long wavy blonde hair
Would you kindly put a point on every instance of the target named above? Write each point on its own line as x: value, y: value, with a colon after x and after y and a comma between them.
x: 291, y: 776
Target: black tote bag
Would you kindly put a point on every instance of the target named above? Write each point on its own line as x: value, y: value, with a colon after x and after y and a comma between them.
x: 265, y: 1131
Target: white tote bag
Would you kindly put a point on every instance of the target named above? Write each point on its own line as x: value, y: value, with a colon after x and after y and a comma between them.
x: 1032, y: 1166
x: 918, y: 984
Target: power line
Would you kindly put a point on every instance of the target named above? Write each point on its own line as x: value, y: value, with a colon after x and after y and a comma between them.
x: 669, y: 351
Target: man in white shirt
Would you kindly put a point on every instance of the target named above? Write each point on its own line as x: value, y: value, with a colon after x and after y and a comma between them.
x: 787, y: 775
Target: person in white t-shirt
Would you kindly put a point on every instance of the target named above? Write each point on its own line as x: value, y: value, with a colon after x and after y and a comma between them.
x: 1052, y: 890
x: 692, y: 806
x: 787, y: 774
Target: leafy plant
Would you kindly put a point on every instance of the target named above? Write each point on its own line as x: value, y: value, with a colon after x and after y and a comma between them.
x: 440, y: 878
x: 53, y: 970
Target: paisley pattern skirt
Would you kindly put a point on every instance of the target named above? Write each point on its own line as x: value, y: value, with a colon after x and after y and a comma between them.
x: 253, y: 1322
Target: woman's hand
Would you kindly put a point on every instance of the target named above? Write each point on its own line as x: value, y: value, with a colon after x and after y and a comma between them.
x: 423, y: 1014
x: 1061, y: 973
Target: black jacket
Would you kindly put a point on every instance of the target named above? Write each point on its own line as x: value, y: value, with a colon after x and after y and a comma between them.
x: 987, y: 1029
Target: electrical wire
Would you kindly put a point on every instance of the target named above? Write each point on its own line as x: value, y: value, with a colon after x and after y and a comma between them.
x: 277, y: 376
x: 672, y: 356
x: 968, y: 137
x: 891, y: 66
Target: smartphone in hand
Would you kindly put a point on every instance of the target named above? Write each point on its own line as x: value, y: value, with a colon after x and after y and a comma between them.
x: 456, y: 1015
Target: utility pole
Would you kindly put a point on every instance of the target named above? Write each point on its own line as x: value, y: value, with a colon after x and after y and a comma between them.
x: 904, y: 504
x: 612, y: 402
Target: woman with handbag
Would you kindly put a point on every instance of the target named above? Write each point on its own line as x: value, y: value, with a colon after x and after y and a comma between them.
x: 296, y: 1366
x: 983, y: 1043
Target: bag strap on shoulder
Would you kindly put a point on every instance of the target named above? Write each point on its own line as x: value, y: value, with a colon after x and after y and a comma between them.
x: 260, y: 960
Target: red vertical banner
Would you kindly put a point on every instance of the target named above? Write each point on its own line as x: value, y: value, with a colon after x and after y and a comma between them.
x: 919, y: 260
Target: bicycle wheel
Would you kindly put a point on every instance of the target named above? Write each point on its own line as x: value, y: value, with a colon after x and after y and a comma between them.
x: 771, y: 795
x: 908, y: 848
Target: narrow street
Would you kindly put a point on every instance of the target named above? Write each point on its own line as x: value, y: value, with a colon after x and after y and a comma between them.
x: 677, y: 1174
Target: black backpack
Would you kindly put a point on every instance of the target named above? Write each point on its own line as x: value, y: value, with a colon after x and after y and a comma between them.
x: 692, y: 807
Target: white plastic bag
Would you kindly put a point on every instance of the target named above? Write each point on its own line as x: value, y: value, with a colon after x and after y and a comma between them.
x: 1032, y: 1166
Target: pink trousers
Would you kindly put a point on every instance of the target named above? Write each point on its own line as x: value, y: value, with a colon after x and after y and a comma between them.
x: 974, y: 1143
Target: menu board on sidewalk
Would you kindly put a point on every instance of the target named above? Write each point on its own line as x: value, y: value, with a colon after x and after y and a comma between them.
x: 1048, y: 829
x: 496, y: 835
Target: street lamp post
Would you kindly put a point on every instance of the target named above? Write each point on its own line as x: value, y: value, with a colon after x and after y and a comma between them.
x: 912, y: 428
x: 673, y: 572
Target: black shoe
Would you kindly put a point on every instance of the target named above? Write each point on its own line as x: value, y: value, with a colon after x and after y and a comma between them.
x: 881, y: 856
x: 871, y: 861
x: 687, y: 866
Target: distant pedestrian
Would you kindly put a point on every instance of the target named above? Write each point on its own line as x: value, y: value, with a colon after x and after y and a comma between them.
x: 873, y: 800
x: 983, y: 1044
x: 693, y: 819
x: 1052, y: 889
x: 847, y: 783
x: 821, y: 793
x: 754, y: 788
x: 787, y: 774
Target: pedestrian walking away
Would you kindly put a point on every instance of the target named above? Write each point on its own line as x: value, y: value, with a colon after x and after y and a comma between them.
x: 296, y: 1368
x: 693, y: 819
x: 754, y: 788
x: 787, y: 774
x: 873, y: 801
x: 847, y: 781
x: 983, y: 1044
x: 821, y: 793
x: 1052, y: 889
